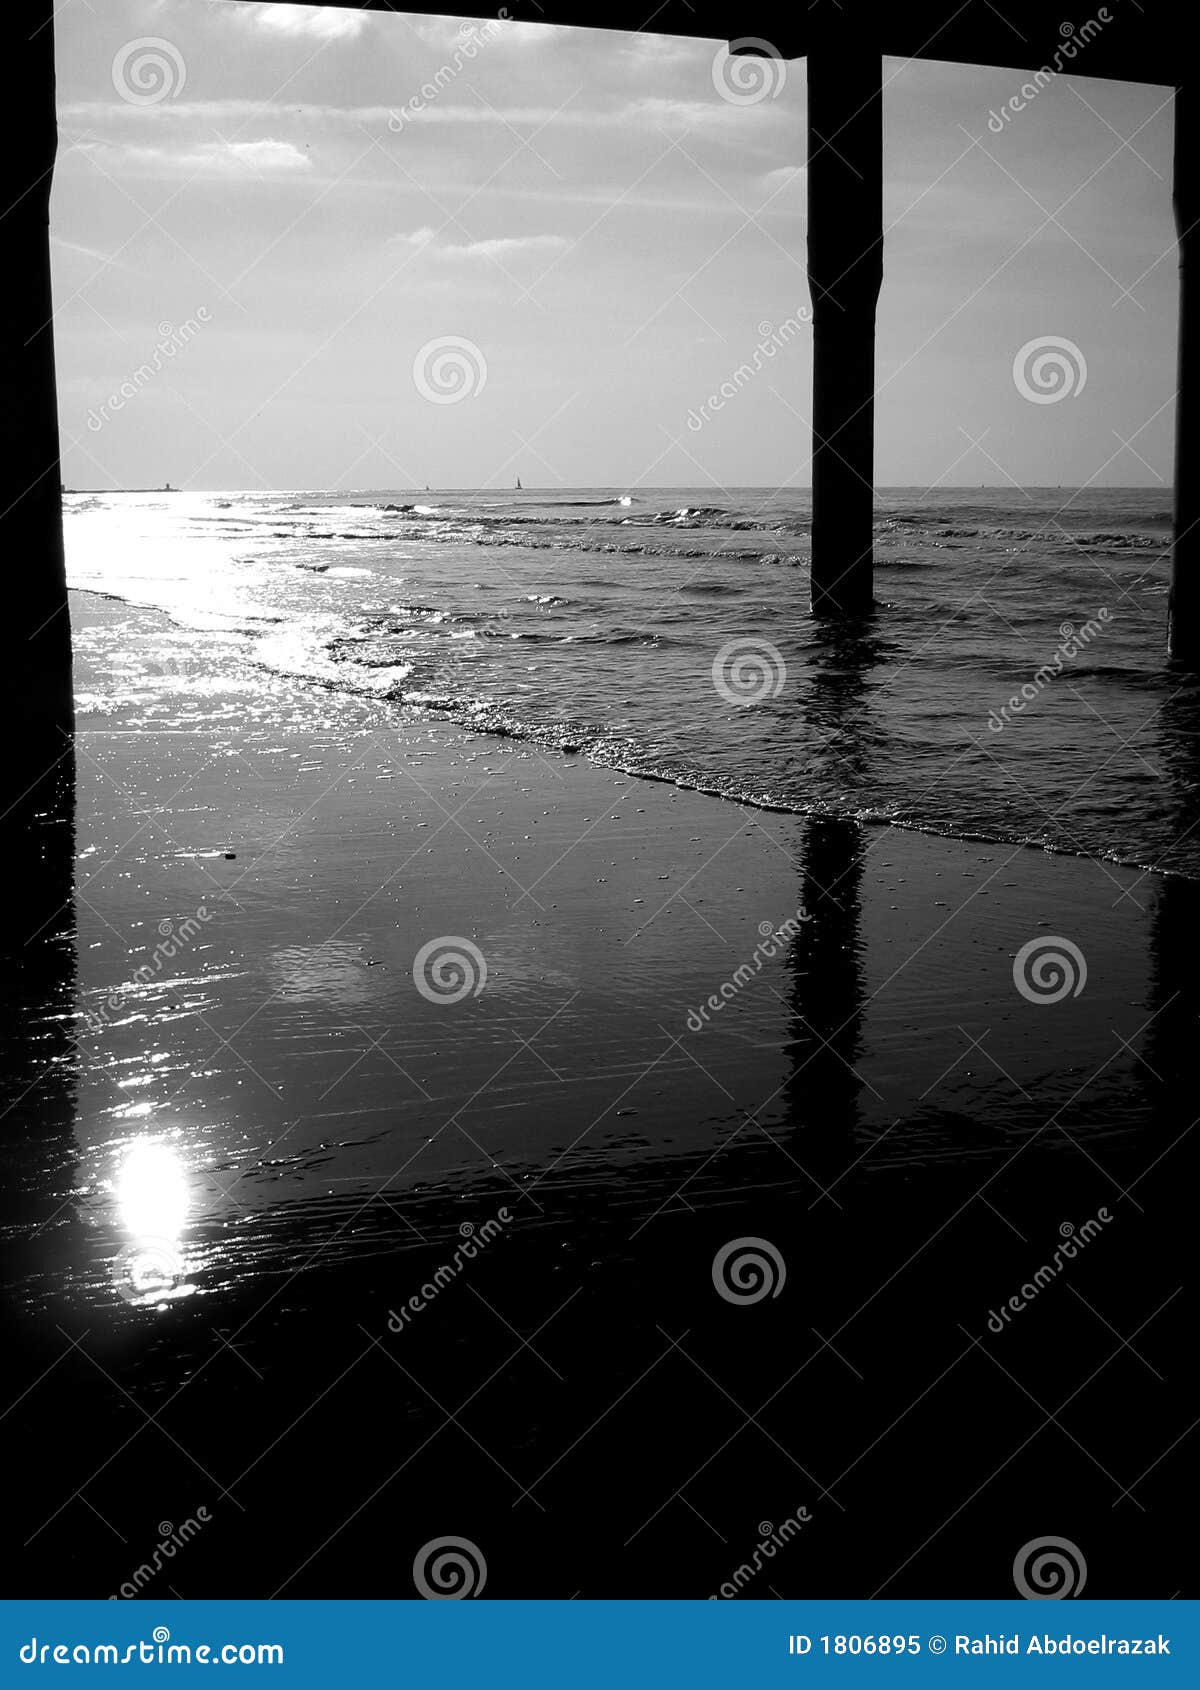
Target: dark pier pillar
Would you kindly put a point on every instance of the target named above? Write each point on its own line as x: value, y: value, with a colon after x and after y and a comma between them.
x: 845, y: 269
x: 35, y: 633
x: 1183, y: 616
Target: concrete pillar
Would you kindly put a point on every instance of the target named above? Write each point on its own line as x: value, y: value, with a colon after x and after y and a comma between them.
x: 845, y: 269
x: 1183, y: 615
x: 35, y: 634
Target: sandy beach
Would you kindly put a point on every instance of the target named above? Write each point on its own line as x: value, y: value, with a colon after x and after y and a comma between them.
x: 609, y: 1247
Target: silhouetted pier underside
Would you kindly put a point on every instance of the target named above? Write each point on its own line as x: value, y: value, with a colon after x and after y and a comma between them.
x: 844, y: 44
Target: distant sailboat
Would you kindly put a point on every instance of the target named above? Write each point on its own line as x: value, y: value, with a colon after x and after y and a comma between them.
x: 519, y: 488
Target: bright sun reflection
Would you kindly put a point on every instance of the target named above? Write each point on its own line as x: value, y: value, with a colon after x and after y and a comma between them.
x: 152, y: 1195
x: 152, y: 1202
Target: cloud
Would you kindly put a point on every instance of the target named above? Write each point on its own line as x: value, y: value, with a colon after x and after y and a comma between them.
x: 778, y: 181
x: 325, y: 23
x: 705, y: 119
x: 619, y: 199
x: 447, y: 32
x: 536, y: 34
x: 707, y: 116
x: 702, y: 118
x: 60, y: 245
x: 665, y: 52
x: 498, y: 248
x: 226, y: 159
x: 213, y: 112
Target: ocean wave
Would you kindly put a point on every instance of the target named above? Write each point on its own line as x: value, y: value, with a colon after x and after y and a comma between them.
x: 578, y: 504
x: 596, y: 629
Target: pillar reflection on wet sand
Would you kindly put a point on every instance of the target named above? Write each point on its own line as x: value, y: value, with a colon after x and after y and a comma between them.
x: 828, y: 963
x: 1167, y: 1072
x: 38, y: 1053
x: 827, y: 999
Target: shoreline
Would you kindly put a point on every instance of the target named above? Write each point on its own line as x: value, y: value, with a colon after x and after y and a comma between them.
x: 865, y: 817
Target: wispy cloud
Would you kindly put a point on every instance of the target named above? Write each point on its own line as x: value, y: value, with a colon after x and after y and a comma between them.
x: 499, y: 247
x: 325, y: 23
x: 778, y: 181
x: 243, y: 160
x: 532, y: 34
x: 701, y: 117
x: 446, y: 34
x: 212, y: 112
x: 88, y: 252
x: 712, y: 116
x: 664, y: 52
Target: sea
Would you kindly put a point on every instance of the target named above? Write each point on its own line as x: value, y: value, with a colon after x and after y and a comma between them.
x: 1013, y: 684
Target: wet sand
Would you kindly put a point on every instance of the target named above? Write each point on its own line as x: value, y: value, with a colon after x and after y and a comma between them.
x: 645, y: 1076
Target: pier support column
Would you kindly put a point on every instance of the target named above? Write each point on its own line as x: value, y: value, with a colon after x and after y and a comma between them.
x: 35, y: 633
x: 845, y: 269
x: 1183, y: 614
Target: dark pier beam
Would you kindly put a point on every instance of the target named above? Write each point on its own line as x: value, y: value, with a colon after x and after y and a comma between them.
x: 35, y: 632
x: 1183, y: 615
x: 845, y: 269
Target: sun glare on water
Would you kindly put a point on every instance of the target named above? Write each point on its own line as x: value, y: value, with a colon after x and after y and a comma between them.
x: 152, y: 1204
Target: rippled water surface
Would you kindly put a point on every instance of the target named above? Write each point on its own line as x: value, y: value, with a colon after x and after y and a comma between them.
x: 592, y: 620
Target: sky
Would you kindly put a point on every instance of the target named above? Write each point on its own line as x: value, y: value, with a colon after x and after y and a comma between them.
x: 278, y: 263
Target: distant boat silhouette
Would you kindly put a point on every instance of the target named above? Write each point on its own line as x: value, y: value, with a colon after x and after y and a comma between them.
x: 519, y: 488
